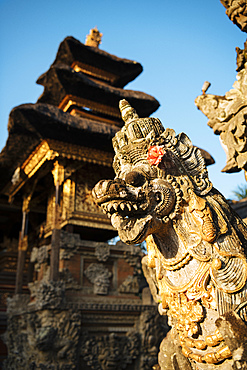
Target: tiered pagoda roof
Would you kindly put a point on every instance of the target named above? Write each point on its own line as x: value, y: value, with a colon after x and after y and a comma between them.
x: 79, y: 104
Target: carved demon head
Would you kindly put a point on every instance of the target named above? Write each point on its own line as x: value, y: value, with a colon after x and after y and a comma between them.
x: 196, y: 265
x: 150, y: 164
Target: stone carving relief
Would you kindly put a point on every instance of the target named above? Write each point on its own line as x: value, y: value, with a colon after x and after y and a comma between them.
x: 237, y: 12
x: 41, y: 339
x: 47, y: 294
x: 134, y: 282
x: 39, y: 256
x: 110, y: 351
x: 196, y: 245
x: 102, y: 252
x: 69, y: 281
x: 69, y: 244
x: 241, y: 57
x: 99, y: 276
x: 153, y: 328
x: 227, y: 117
x: 130, y: 285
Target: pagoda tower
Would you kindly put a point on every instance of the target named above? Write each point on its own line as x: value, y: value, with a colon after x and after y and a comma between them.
x: 75, y: 300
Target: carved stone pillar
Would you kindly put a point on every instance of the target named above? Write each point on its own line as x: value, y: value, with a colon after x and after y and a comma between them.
x: 58, y: 176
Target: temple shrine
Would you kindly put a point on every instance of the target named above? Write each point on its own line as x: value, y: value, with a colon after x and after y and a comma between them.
x: 75, y: 301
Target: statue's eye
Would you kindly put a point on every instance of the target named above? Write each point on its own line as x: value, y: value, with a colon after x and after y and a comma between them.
x: 135, y: 178
x: 158, y: 196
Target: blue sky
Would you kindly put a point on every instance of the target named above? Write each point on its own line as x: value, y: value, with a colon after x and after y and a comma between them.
x: 179, y: 44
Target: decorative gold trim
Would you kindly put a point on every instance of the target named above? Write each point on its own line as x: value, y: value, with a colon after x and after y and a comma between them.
x: 94, y: 71
x: 95, y: 220
x: 195, y: 288
x: 169, y: 264
x: 70, y: 100
x: 50, y: 149
x: 93, y: 116
x: 37, y: 158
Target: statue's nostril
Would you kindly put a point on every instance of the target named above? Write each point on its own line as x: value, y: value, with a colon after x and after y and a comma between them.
x: 135, y: 178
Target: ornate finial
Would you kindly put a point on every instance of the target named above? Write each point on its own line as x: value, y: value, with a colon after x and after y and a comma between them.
x: 205, y: 87
x: 94, y: 38
x: 127, y: 112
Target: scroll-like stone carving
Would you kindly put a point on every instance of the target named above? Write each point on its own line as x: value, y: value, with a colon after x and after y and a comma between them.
x: 228, y: 118
x: 98, y: 275
x: 196, y: 246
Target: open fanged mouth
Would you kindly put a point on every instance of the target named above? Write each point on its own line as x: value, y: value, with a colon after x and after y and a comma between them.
x: 128, y: 219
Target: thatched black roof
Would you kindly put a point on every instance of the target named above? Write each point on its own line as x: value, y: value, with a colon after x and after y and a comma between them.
x: 71, y: 50
x: 62, y: 80
x: 29, y: 124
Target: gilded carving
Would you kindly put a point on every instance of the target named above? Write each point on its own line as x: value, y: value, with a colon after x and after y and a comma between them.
x: 85, y: 181
x: 196, y: 264
x: 37, y: 158
x: 68, y: 201
x: 50, y: 149
x: 94, y: 72
x: 71, y: 100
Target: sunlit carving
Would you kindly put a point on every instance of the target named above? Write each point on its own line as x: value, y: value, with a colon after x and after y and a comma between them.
x: 227, y: 117
x: 196, y: 264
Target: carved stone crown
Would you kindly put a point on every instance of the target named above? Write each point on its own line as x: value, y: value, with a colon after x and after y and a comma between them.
x: 132, y: 142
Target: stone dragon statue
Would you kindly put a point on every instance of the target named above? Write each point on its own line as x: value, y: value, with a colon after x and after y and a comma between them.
x: 196, y: 263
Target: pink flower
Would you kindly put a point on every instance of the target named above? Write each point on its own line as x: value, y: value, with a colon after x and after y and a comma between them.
x: 155, y: 154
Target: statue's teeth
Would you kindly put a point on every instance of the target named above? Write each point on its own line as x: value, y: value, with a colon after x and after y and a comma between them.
x: 122, y: 206
x: 115, y: 206
x: 109, y: 207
